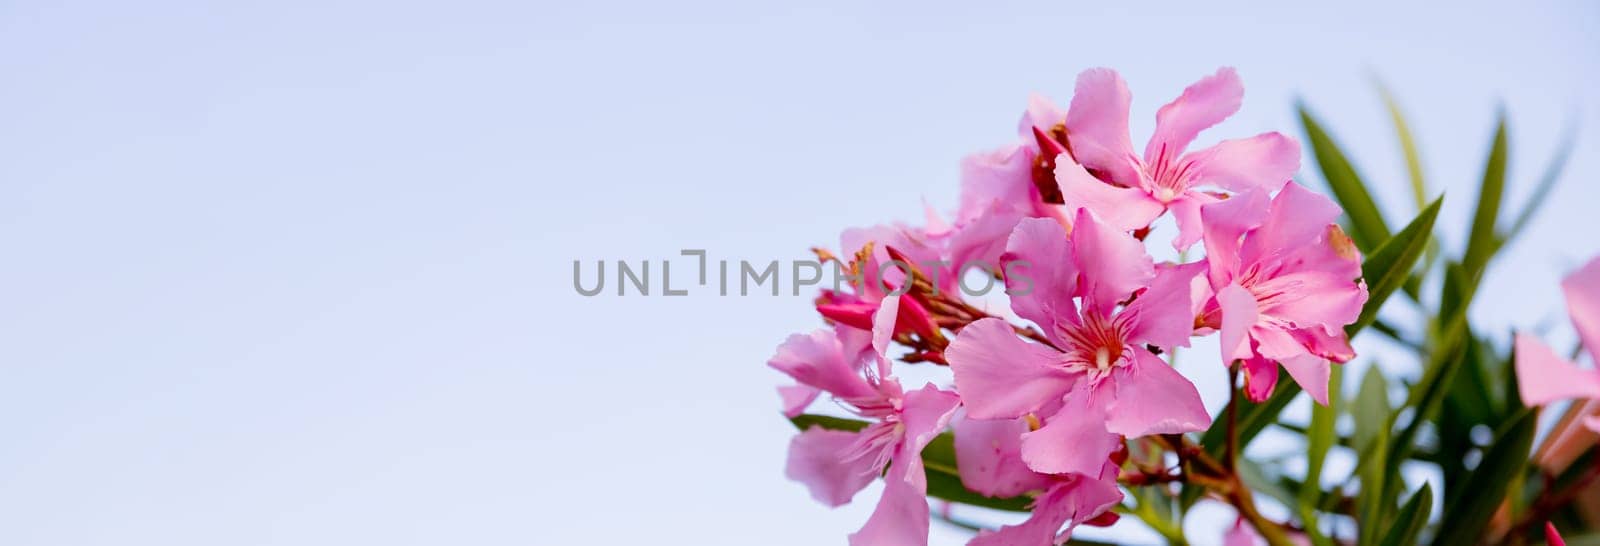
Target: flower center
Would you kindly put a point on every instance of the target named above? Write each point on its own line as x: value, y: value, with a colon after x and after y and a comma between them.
x: 1094, y: 348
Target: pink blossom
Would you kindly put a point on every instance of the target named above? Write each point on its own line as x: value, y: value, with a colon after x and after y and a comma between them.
x: 1286, y: 284
x: 1137, y: 190
x: 1551, y: 536
x: 878, y: 277
x: 990, y: 460
x: 1004, y: 185
x: 836, y: 464
x: 1098, y: 380
x: 1542, y: 375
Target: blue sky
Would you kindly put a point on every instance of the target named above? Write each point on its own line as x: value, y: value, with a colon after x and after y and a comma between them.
x: 299, y: 272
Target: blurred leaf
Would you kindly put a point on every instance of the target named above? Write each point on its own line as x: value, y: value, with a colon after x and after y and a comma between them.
x: 1320, y: 437
x: 1388, y: 267
x: 1258, y: 478
x: 1464, y: 522
x: 1370, y: 410
x: 1366, y: 222
x: 939, y: 458
x: 1412, y: 518
x: 1408, y: 147
x: 1483, y: 238
x: 1541, y: 192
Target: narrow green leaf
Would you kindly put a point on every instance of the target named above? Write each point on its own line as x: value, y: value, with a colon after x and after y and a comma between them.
x: 1388, y: 267
x: 1413, y: 517
x: 1366, y: 221
x: 1320, y: 437
x: 1408, y: 148
x: 1483, y: 240
x: 1370, y: 411
x: 1541, y: 192
x: 805, y: 420
x: 1506, y: 458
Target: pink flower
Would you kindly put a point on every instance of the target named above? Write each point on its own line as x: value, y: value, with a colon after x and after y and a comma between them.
x: 836, y: 464
x: 1542, y: 375
x: 1551, y: 536
x: 1285, y: 278
x: 879, y: 277
x: 1099, y: 380
x: 990, y: 461
x: 1004, y: 185
x: 1165, y: 178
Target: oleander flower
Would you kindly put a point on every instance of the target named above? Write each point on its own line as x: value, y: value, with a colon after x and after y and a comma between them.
x: 1132, y: 190
x: 1097, y: 380
x: 1286, y: 280
x: 989, y: 453
x: 836, y: 464
x: 1542, y: 375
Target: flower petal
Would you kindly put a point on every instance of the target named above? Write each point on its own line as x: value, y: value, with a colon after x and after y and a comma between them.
x: 1226, y: 223
x: 1297, y: 218
x: 1067, y: 504
x: 1239, y: 314
x: 1186, y: 212
x: 1582, y: 290
x: 901, y: 517
x: 883, y: 324
x: 1042, y: 113
x: 817, y: 459
x: 989, y: 457
x: 1041, y: 277
x: 818, y: 359
x: 1311, y: 372
x: 1003, y: 176
x: 925, y: 413
x: 1203, y: 104
x: 1162, y: 315
x: 1125, y: 209
x: 1112, y: 263
x: 979, y: 243
x: 1153, y: 398
x: 796, y: 398
x: 1074, y: 440
x: 1312, y: 298
x: 1265, y: 162
x: 1097, y: 125
x: 1544, y: 377
x: 1260, y: 376
x: 999, y: 375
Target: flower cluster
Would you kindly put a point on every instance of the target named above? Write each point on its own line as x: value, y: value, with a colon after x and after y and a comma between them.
x: 1041, y: 399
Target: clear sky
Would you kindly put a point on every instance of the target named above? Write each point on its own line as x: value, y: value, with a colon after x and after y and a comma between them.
x: 299, y: 273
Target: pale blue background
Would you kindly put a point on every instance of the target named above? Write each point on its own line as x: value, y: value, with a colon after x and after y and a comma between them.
x: 299, y: 272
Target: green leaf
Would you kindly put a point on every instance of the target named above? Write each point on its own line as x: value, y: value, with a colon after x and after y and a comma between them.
x: 1388, y: 267
x: 1408, y: 147
x: 1366, y: 221
x: 1413, y: 517
x: 1483, y: 240
x: 1320, y: 438
x: 805, y: 420
x: 939, y: 458
x: 1507, y: 457
x: 1370, y: 411
x: 1541, y: 192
